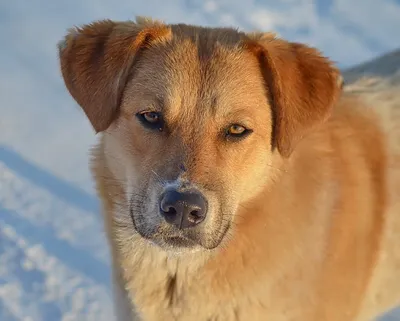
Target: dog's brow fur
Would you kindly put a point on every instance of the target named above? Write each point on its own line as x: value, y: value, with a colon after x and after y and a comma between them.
x: 302, y: 212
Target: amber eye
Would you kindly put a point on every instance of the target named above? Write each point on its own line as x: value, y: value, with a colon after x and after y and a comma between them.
x: 151, y: 119
x: 236, y: 131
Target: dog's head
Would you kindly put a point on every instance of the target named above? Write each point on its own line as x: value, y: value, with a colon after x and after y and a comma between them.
x: 193, y: 118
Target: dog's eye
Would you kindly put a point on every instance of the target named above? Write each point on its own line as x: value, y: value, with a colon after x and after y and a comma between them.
x: 236, y: 131
x: 151, y: 119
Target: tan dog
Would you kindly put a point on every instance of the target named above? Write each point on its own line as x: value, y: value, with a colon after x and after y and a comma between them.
x: 238, y: 182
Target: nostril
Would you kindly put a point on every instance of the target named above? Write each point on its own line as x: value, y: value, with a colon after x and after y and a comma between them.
x: 167, y: 206
x: 170, y: 211
x: 195, y: 216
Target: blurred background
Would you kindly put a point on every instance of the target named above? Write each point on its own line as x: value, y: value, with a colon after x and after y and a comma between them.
x: 53, y: 256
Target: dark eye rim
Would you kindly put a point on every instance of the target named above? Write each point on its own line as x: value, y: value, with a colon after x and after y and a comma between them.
x: 236, y: 137
x: 158, y: 125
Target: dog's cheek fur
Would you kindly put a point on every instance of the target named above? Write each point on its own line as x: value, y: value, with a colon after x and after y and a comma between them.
x: 130, y: 158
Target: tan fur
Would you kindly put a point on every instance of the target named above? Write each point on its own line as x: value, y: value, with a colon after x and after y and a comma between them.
x: 304, y: 213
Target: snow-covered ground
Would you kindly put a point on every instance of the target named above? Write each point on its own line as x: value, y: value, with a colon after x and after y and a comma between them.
x: 53, y: 256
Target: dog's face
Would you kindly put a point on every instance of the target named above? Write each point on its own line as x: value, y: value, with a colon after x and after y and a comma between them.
x: 193, y: 118
x: 194, y: 136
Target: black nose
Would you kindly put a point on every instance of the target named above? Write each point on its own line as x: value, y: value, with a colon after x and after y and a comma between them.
x: 183, y: 210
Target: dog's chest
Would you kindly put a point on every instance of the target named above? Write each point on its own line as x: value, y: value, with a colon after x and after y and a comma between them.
x: 183, y: 295
x: 176, y: 297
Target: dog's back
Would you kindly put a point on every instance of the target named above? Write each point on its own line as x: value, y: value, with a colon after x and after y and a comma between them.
x: 384, y: 290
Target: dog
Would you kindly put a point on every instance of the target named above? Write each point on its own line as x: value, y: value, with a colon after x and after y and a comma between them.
x: 238, y: 180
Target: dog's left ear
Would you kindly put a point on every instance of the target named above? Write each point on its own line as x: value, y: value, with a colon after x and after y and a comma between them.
x: 97, y: 59
x: 302, y: 86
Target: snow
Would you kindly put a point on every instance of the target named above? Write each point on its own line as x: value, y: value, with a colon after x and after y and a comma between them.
x: 53, y: 255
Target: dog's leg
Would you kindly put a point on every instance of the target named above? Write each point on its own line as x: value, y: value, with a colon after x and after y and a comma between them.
x: 123, y: 309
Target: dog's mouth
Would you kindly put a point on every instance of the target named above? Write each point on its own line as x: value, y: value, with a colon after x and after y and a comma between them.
x: 181, y: 240
x: 170, y: 238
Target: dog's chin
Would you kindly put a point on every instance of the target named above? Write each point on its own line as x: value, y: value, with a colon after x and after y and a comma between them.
x: 178, y: 245
x: 169, y: 242
x: 179, y: 242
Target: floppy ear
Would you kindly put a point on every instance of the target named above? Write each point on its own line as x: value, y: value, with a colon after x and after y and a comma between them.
x: 96, y: 61
x: 302, y: 86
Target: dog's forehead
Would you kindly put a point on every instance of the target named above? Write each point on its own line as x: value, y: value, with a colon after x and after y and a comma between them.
x: 197, y: 46
x: 199, y: 66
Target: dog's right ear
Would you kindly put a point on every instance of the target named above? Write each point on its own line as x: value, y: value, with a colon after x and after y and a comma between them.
x: 302, y: 85
x: 96, y: 61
